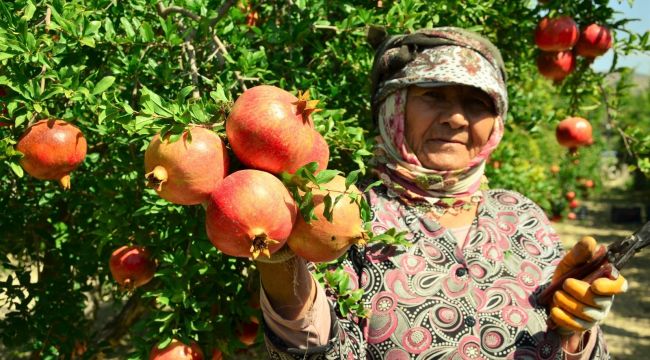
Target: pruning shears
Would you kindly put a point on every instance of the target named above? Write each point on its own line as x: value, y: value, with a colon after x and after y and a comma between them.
x: 607, y: 262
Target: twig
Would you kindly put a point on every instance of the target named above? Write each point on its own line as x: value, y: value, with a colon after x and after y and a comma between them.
x: 223, y: 49
x: 43, y: 69
x: 194, y: 71
x: 222, y: 12
x: 48, y: 16
x: 326, y: 27
x: 164, y: 11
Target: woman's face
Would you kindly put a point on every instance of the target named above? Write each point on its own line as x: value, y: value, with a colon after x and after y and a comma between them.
x: 447, y: 126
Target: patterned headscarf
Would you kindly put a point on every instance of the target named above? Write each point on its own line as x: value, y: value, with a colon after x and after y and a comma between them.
x: 430, y: 58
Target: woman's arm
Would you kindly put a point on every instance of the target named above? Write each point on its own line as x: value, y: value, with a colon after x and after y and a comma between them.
x: 289, y: 286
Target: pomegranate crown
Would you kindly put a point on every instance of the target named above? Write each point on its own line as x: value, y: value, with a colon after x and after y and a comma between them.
x: 304, y: 106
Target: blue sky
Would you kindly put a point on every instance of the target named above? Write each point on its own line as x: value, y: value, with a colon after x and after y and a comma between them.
x: 639, y: 10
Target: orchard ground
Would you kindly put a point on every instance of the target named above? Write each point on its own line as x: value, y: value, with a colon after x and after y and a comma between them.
x: 627, y: 329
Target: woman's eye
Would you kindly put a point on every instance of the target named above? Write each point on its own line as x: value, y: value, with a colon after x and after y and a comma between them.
x: 480, y: 103
x: 434, y: 96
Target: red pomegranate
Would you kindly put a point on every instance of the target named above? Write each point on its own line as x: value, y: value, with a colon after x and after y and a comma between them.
x: 247, y: 331
x: 320, y: 152
x: 217, y: 354
x: 52, y: 149
x: 570, y: 195
x: 573, y: 132
x: 270, y: 129
x: 571, y: 216
x: 574, y: 203
x: 322, y: 240
x: 132, y: 266
x: 594, y: 41
x: 250, y: 213
x: 556, y: 65
x: 176, y: 350
x: 186, y: 171
x: 556, y: 34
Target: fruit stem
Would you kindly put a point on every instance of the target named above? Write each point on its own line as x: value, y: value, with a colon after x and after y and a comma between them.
x: 156, y: 177
x: 65, y: 182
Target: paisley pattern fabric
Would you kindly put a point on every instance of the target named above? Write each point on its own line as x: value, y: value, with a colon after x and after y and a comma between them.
x: 447, y: 298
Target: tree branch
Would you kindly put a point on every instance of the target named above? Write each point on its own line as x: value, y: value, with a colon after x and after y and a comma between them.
x: 222, y: 12
x: 164, y: 11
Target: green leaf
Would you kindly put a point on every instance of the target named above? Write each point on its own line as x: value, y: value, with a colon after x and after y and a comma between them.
x: 326, y: 176
x: 17, y: 169
x: 103, y: 84
x: 29, y: 11
x: 88, y: 41
x: 352, y: 178
x: 328, y: 211
x: 128, y: 28
x: 219, y: 95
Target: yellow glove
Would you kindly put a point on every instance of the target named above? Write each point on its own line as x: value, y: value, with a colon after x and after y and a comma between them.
x: 580, y: 305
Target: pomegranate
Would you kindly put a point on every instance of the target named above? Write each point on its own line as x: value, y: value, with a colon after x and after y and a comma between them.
x: 556, y: 34
x: 176, y: 350
x: 52, y: 149
x: 571, y: 216
x: 185, y: 172
x: 217, y: 354
x: 250, y: 213
x: 132, y: 266
x: 322, y: 240
x: 588, y: 184
x: 320, y: 152
x: 555, y: 169
x: 574, y: 203
x: 594, y: 41
x: 247, y: 331
x: 570, y: 195
x: 573, y: 132
x: 270, y: 129
x: 556, y: 65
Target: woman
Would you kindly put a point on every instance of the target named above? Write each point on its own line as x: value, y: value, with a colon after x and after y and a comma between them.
x: 467, y: 287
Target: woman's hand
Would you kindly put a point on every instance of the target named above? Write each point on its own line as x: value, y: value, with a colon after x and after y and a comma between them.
x: 579, y: 306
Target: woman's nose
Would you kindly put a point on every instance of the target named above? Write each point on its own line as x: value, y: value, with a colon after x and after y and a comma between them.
x: 455, y: 116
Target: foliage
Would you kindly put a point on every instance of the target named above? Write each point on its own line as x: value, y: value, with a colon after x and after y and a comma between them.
x: 124, y: 70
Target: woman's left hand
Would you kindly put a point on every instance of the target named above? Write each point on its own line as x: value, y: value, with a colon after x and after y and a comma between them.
x: 579, y: 306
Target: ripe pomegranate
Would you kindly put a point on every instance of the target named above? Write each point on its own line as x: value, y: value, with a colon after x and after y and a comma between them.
x: 573, y: 132
x: 320, y: 152
x: 556, y: 65
x: 594, y: 41
x: 270, y: 129
x: 217, y: 354
x: 249, y: 213
x: 185, y: 172
x: 574, y: 203
x: 132, y: 266
x: 322, y: 240
x: 571, y: 216
x: 556, y: 34
x: 247, y: 331
x: 555, y: 169
x: 588, y: 183
x: 176, y: 350
x: 570, y: 195
x: 52, y: 149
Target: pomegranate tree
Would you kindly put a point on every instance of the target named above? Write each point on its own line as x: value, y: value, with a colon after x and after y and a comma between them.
x: 132, y: 266
x: 52, y: 149
x: 321, y: 240
x: 556, y: 65
x: 270, y: 129
x: 176, y: 350
x: 186, y: 171
x: 594, y: 41
x: 250, y: 213
x: 574, y: 132
x: 556, y: 34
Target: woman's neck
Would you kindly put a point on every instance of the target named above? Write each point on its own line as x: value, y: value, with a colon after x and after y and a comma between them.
x: 463, y: 218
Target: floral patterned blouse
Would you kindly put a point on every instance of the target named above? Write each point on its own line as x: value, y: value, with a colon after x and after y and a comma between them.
x: 440, y: 299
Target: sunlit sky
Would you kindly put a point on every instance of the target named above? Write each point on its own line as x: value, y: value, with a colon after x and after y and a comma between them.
x: 639, y: 10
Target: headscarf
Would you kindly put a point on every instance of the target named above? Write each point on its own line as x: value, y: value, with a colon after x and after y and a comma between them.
x: 430, y: 58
